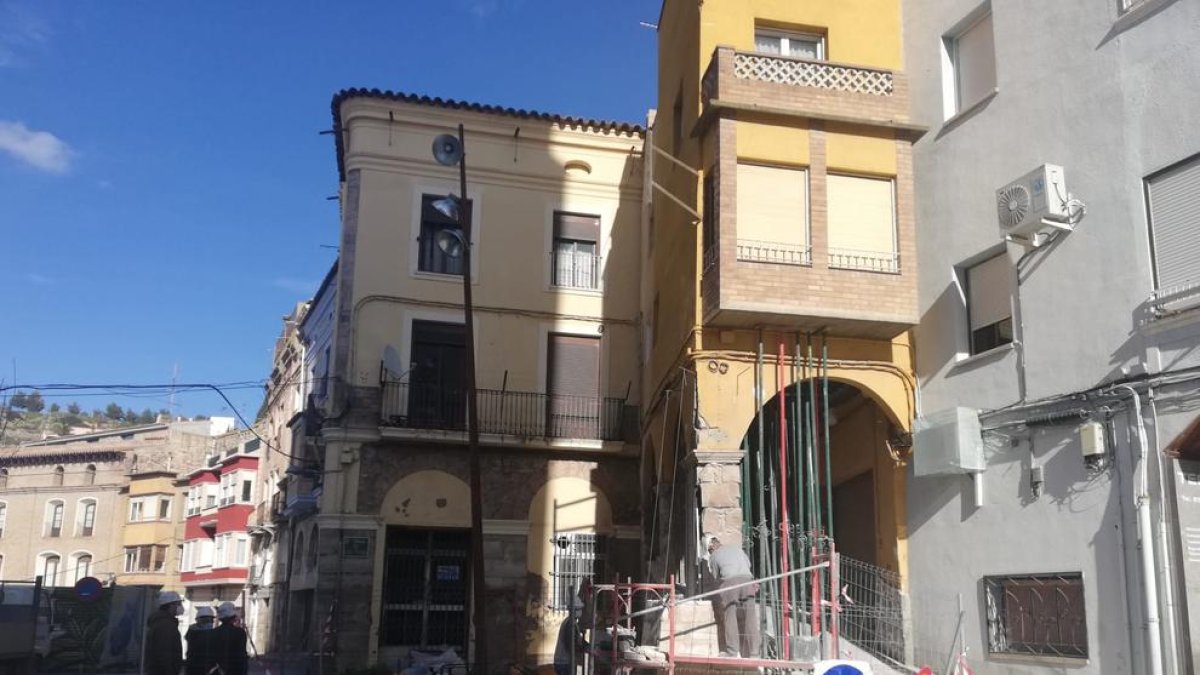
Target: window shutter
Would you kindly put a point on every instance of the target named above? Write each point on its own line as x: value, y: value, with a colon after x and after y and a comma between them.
x: 975, y: 63
x: 772, y: 204
x: 574, y: 365
x: 988, y: 292
x: 1175, y: 225
x: 861, y: 214
x: 576, y: 226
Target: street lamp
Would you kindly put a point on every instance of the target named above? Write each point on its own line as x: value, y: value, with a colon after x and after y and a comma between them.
x: 449, y: 150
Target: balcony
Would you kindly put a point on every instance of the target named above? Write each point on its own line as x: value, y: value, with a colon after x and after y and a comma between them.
x: 524, y: 415
x: 786, y: 85
x: 749, y: 250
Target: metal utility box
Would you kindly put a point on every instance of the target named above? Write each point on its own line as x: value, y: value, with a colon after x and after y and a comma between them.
x: 948, y: 442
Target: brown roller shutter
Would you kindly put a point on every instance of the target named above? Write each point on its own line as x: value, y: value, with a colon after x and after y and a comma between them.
x: 573, y: 385
x: 576, y: 226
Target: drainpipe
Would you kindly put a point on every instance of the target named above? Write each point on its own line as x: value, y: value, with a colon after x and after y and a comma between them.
x: 1166, y: 560
x: 1145, y: 535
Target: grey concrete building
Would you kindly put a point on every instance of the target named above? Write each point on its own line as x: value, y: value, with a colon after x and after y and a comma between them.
x: 1059, y: 502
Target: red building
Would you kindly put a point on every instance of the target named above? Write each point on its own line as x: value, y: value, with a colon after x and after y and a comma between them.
x: 216, y: 547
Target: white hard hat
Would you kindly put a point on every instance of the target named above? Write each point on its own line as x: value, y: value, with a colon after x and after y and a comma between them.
x: 205, y: 613
x: 168, y: 597
x: 226, y: 610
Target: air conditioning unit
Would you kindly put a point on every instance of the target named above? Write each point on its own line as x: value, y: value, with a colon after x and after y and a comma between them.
x: 1034, y: 203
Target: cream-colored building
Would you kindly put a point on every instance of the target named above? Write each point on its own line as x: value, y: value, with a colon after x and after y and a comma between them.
x: 556, y: 209
x: 67, y: 503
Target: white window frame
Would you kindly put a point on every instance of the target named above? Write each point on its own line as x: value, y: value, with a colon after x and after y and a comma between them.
x: 158, y: 514
x: 786, y: 36
x: 963, y: 279
x: 43, y: 561
x: 475, y: 193
x: 219, y: 550
x: 137, y: 510
x: 3, y: 517
x: 75, y: 560
x: 241, y: 556
x: 952, y: 103
x: 53, y: 516
x: 81, y: 516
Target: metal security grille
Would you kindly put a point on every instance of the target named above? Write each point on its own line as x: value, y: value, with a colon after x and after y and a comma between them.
x: 578, y: 557
x: 425, y: 585
x: 1036, y: 614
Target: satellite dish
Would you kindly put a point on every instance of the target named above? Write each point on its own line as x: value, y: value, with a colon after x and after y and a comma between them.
x: 447, y: 150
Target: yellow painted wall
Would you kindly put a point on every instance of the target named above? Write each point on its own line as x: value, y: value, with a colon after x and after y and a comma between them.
x: 857, y: 150
x: 774, y: 143
x: 428, y: 499
x: 863, y: 32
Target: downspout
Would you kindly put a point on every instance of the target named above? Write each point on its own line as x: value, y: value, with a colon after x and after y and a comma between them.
x: 1146, y: 545
x: 1166, y: 561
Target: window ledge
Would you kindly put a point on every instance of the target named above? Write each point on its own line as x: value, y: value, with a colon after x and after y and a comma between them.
x: 592, y: 292
x: 437, y: 276
x: 962, y: 115
x: 995, y: 353
x: 1138, y: 14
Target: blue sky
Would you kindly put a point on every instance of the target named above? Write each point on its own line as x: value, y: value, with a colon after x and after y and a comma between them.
x: 162, y: 181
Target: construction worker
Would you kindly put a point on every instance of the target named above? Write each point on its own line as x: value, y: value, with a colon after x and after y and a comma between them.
x: 163, y: 648
x: 199, y: 637
x: 737, y: 610
x: 229, y: 642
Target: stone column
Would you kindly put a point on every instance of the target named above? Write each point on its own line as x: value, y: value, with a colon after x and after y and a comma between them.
x: 719, y: 479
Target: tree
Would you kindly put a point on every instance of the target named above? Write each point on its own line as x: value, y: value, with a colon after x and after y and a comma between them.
x: 54, y: 408
x: 200, y: 418
x: 19, y: 400
x: 130, y: 416
x: 113, y: 411
x: 35, y: 403
x: 146, y: 417
x: 165, y: 414
x: 73, y: 408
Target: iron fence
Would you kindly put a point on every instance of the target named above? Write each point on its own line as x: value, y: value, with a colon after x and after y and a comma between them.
x: 503, y: 412
x: 872, y: 614
x: 869, y: 261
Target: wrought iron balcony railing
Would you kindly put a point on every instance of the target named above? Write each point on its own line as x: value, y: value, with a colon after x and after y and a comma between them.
x: 870, y: 261
x: 574, y: 269
x: 774, y: 252
x: 509, y: 413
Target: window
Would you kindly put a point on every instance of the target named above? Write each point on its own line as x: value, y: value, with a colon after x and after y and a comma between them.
x: 425, y: 581
x: 83, y: 566
x: 710, y: 216
x: 798, y: 45
x: 575, y: 260
x: 772, y: 214
x: 185, y: 557
x: 87, y: 517
x: 219, y: 555
x: 578, y: 558
x: 969, y: 64
x: 431, y: 257
x: 1041, y: 614
x: 438, y: 378
x: 247, y: 490
x: 862, y: 224
x: 210, y: 496
x: 3, y: 517
x: 312, y: 551
x: 3, y: 479
x: 58, y: 475
x: 227, y: 489
x: 147, y: 558
x: 989, y: 307
x: 573, y: 385
x: 89, y: 475
x: 164, y: 508
x: 298, y: 553
x: 1174, y: 220
x: 54, y: 518
x: 50, y: 565
x: 136, y: 508
x: 242, y: 545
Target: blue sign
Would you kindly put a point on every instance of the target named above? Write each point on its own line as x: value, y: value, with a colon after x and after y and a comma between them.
x: 88, y: 589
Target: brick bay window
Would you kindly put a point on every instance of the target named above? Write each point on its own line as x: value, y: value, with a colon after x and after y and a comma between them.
x: 430, y: 257
x: 575, y: 259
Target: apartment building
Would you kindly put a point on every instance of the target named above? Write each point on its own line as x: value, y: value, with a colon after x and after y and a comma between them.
x: 779, y: 290
x: 65, y: 502
x: 1057, y: 343
x: 220, y: 497
x: 152, y: 531
x: 556, y: 208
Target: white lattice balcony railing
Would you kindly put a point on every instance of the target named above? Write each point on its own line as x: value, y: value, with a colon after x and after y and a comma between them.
x: 777, y: 252
x: 870, y: 261
x: 805, y: 73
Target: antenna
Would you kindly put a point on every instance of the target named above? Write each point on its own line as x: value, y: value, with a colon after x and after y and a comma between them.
x: 174, y: 378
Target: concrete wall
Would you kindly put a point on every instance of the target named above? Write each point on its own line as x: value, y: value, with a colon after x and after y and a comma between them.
x: 1111, y: 99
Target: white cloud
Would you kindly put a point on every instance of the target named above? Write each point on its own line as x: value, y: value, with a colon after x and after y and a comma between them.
x: 303, y: 286
x: 38, y: 279
x: 39, y: 149
x: 22, y: 29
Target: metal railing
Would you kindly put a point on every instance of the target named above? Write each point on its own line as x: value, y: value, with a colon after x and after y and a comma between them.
x: 509, y: 413
x: 872, y: 614
x: 780, y: 253
x: 572, y: 269
x: 869, y: 261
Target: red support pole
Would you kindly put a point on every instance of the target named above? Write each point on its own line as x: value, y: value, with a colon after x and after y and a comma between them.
x: 784, y: 526
x: 835, y: 597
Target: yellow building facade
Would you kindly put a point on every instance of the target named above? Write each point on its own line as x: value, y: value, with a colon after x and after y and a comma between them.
x: 780, y: 272
x: 152, y: 532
